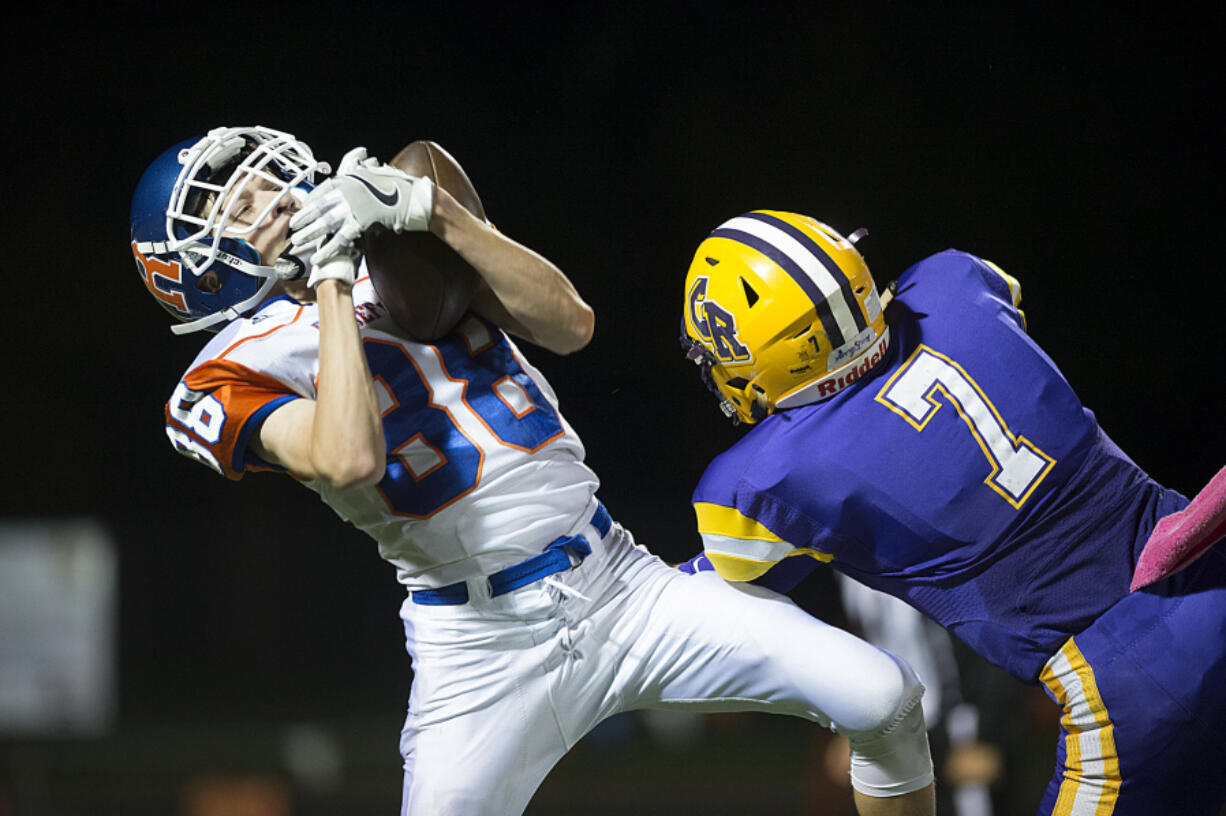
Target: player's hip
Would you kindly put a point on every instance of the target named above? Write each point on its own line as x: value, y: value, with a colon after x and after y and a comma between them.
x: 574, y: 577
x: 1142, y: 711
x: 535, y: 640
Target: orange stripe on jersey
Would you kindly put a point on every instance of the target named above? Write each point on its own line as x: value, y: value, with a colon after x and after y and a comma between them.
x: 279, y: 326
x: 219, y: 373
x: 221, y: 403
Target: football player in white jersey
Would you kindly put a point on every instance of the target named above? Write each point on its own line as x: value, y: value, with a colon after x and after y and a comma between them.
x: 530, y: 614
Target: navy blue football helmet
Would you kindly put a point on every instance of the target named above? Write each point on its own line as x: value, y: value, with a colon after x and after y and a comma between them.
x: 192, y: 254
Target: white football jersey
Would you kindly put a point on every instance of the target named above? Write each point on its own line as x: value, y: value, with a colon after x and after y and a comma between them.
x: 482, y: 469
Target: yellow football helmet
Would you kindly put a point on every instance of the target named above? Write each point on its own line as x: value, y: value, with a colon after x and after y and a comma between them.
x: 780, y: 311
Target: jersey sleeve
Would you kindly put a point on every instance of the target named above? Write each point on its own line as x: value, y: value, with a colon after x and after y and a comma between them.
x: 781, y: 577
x: 748, y: 533
x: 961, y: 274
x: 1005, y: 285
x: 215, y: 409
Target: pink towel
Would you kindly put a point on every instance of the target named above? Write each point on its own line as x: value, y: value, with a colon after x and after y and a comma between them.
x: 1181, y: 538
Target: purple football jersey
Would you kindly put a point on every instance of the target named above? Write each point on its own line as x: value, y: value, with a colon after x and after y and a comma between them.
x: 962, y: 474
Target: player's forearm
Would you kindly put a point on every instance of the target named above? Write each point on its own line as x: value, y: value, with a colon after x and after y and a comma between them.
x: 534, y: 292
x: 347, y: 446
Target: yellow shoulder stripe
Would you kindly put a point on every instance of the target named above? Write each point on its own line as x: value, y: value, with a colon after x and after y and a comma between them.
x: 735, y: 568
x: 715, y: 519
x: 1015, y: 288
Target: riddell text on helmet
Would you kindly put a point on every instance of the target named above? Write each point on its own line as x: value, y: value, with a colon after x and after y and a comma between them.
x: 835, y: 384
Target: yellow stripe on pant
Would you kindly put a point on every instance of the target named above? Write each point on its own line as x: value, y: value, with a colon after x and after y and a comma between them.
x: 1092, y: 780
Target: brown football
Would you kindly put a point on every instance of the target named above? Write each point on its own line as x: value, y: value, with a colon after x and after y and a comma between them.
x: 425, y: 284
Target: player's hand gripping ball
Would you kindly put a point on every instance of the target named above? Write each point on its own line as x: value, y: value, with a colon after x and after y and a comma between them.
x: 363, y: 194
x: 425, y: 284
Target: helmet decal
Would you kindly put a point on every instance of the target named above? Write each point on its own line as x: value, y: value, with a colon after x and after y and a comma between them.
x: 722, y: 325
x: 808, y: 263
x: 715, y: 325
x: 697, y: 299
x: 163, y: 279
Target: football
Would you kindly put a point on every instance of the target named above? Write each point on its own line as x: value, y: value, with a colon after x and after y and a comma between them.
x: 424, y: 284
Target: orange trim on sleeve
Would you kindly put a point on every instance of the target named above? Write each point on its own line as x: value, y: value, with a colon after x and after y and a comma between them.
x: 240, y: 394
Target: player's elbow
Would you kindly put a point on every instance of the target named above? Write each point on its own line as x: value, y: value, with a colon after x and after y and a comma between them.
x: 354, y: 469
x: 352, y: 477
x: 574, y: 331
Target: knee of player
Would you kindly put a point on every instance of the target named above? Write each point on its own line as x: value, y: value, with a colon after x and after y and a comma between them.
x: 889, y: 749
x: 885, y: 695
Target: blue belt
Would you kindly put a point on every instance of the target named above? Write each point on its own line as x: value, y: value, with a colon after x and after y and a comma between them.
x: 555, y: 558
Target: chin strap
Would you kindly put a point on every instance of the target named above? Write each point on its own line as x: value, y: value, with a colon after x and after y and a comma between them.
x: 287, y: 267
x: 230, y: 312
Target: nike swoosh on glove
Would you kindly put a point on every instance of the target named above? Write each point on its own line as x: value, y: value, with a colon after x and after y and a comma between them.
x: 364, y: 193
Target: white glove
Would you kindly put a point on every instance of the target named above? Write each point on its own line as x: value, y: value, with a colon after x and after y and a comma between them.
x: 343, y: 266
x: 362, y: 194
x: 354, y: 159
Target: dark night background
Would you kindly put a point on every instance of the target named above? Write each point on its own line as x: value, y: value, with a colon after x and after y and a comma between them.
x: 1078, y: 146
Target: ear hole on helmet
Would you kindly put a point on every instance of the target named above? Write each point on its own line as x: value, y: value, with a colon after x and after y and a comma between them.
x: 209, y: 282
x: 751, y: 296
x: 738, y: 383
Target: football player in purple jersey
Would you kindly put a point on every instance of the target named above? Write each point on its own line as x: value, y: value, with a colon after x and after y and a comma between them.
x: 930, y: 449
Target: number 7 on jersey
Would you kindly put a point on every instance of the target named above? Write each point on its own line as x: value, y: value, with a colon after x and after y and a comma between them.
x: 1016, y: 465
